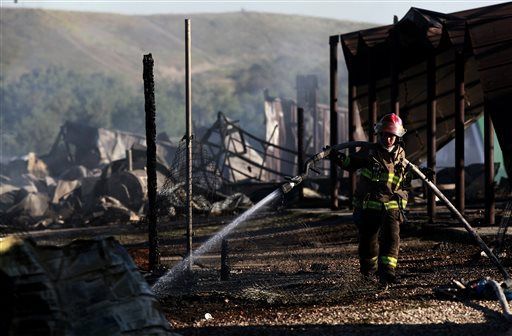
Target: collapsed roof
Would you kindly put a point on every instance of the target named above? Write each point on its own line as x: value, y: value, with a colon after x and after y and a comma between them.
x: 80, y: 144
x: 482, y: 34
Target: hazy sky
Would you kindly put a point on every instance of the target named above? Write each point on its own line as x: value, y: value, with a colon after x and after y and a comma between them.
x: 378, y: 11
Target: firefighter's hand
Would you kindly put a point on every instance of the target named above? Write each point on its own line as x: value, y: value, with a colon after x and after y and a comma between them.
x: 335, y: 155
x: 429, y: 173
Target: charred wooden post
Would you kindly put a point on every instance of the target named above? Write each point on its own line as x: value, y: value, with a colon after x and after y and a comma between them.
x: 431, y: 131
x: 489, y: 168
x: 129, y: 160
x: 372, y: 100
x: 300, y: 148
x: 351, y: 131
x: 225, y: 268
x: 459, y: 131
x: 188, y: 137
x: 333, y: 91
x: 149, y: 98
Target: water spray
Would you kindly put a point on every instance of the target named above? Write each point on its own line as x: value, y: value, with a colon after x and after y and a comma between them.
x: 160, y: 286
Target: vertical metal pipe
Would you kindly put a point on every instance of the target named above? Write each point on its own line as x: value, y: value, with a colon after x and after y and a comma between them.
x: 351, y: 130
x: 459, y: 131
x: 489, y: 168
x: 333, y: 92
x: 394, y: 70
x: 300, y: 148
x: 431, y: 131
x: 149, y: 106
x: 315, y: 129
x: 372, y: 100
x: 188, y: 108
x: 312, y: 87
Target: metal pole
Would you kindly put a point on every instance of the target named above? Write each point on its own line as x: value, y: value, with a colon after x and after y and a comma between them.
x: 431, y: 131
x: 468, y: 227
x: 372, y: 100
x: 188, y: 108
x: 351, y: 131
x: 312, y: 87
x: 394, y: 62
x: 149, y: 98
x: 459, y: 131
x: 300, y: 147
x: 489, y: 168
x: 333, y: 78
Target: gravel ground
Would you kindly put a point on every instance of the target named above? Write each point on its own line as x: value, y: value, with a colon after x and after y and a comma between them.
x: 297, y: 274
x: 390, y: 317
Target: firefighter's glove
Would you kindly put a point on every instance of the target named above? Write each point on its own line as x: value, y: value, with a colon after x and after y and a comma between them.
x: 429, y: 173
x: 335, y: 155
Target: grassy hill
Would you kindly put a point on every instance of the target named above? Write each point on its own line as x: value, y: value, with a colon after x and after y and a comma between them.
x: 114, y: 44
x: 234, y: 57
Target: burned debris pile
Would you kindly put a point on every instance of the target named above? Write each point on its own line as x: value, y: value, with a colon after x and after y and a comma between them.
x: 94, y: 176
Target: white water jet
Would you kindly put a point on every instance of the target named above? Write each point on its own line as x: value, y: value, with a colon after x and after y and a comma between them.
x: 173, y: 273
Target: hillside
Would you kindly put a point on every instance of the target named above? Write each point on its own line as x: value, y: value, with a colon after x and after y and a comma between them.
x: 114, y: 44
x: 93, y: 63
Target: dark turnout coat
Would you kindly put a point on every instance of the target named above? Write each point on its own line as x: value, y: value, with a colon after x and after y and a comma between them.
x: 382, y: 174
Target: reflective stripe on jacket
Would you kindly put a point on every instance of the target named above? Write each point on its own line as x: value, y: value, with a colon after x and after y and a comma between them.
x: 378, y: 205
x: 381, y: 177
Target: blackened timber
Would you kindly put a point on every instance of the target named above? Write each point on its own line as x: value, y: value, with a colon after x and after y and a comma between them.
x: 351, y: 131
x: 431, y: 131
x: 333, y: 93
x: 129, y: 159
x: 225, y: 268
x: 489, y: 168
x: 459, y: 131
x: 300, y: 148
x: 188, y: 112
x: 149, y: 106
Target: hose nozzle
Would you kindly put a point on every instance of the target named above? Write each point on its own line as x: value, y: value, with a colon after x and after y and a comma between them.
x: 288, y: 186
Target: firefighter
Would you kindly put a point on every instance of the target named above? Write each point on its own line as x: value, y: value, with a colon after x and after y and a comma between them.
x: 379, y: 198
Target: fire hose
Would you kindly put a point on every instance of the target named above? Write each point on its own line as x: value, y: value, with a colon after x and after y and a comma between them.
x: 294, y: 181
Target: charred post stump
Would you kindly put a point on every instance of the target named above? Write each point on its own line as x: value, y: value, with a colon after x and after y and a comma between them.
x: 129, y: 160
x: 333, y: 105
x: 149, y: 98
x: 225, y: 269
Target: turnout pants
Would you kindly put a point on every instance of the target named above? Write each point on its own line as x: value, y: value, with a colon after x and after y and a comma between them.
x: 379, y: 240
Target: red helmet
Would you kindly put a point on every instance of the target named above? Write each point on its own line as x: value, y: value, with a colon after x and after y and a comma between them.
x: 390, y: 123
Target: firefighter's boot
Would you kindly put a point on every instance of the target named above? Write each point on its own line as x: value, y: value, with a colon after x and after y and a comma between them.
x: 386, y: 270
x: 368, y: 266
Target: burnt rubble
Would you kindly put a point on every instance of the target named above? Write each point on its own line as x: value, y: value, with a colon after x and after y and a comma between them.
x: 69, y: 187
